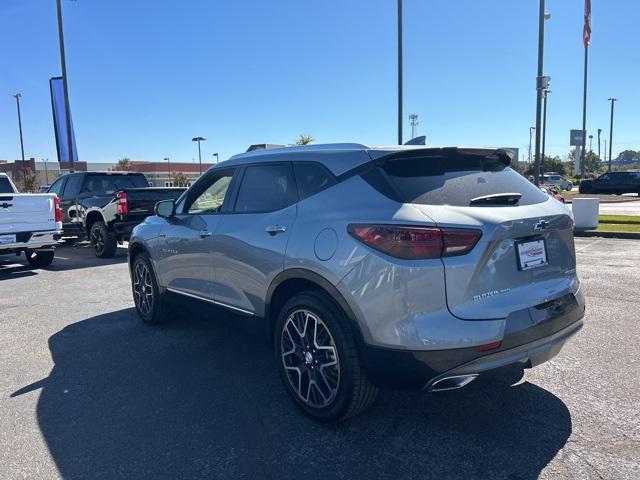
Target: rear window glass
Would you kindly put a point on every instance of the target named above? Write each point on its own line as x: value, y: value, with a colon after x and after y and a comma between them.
x: 112, y: 183
x: 5, y: 185
x: 453, y: 181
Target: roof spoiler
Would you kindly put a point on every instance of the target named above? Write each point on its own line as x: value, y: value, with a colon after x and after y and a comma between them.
x: 485, y: 158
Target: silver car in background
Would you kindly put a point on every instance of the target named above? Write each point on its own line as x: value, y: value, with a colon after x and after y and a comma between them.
x: 370, y: 267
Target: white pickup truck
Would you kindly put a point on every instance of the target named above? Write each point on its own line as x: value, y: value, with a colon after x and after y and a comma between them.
x: 29, y: 223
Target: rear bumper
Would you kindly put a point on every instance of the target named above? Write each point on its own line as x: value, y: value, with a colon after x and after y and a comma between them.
x: 124, y: 229
x: 531, y: 337
x: 32, y: 241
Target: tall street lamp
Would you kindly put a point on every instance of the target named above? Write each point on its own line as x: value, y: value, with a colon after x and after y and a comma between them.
x: 24, y: 166
x: 542, y: 83
x: 591, y: 143
x: 399, y: 72
x: 199, y: 139
x: 599, y: 132
x: 46, y: 172
x: 605, y: 150
x: 612, y: 100
x: 217, y: 158
x: 65, y: 85
x: 168, y: 160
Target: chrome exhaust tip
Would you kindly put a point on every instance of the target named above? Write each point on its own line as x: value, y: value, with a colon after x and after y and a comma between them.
x: 452, y: 382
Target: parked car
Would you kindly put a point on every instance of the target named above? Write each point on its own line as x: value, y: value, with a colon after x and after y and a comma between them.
x: 399, y: 266
x: 554, y: 179
x: 553, y: 192
x: 29, y: 223
x: 105, y: 206
x: 615, y: 183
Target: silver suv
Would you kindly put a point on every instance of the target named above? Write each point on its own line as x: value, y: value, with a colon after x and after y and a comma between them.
x: 393, y: 266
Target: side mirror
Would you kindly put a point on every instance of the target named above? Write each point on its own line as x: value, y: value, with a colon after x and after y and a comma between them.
x: 165, y: 208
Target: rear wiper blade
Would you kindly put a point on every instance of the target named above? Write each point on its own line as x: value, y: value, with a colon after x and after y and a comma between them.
x: 497, y: 198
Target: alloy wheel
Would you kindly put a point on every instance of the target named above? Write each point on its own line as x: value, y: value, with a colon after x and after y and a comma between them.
x: 97, y: 241
x: 310, y: 358
x: 143, y: 288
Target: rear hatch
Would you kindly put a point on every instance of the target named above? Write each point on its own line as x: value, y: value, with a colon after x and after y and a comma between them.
x: 26, y: 213
x: 525, y: 256
x: 141, y: 201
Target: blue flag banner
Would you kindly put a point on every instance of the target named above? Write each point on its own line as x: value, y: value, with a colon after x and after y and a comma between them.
x: 60, y: 123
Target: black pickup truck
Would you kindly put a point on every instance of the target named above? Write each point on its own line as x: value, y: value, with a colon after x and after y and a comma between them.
x: 105, y: 206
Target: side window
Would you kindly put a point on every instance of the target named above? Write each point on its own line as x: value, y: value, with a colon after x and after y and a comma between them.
x: 56, y: 187
x: 266, y: 188
x: 72, y: 188
x: 211, y: 199
x: 604, y: 177
x: 312, y: 178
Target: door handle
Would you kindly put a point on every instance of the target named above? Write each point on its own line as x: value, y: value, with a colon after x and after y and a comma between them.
x: 275, y: 229
x: 205, y: 233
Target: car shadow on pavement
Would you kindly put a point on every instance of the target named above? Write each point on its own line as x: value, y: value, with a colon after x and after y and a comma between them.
x: 200, y: 397
x: 67, y: 257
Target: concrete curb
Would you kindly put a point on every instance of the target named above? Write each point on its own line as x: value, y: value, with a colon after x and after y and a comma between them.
x: 594, y: 233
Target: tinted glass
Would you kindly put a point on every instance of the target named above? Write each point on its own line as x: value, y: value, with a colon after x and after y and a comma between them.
x: 113, y: 183
x: 312, y: 179
x: 211, y: 200
x: 57, y: 186
x: 72, y: 188
x: 429, y: 181
x: 266, y: 189
x: 5, y: 185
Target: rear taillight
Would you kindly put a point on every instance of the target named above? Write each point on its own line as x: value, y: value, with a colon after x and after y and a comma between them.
x: 123, y: 206
x: 413, y: 243
x: 57, y: 209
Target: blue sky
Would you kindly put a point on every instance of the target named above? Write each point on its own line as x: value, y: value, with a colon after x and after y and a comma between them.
x: 147, y: 76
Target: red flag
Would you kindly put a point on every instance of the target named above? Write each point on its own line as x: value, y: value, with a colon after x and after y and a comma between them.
x: 586, y: 31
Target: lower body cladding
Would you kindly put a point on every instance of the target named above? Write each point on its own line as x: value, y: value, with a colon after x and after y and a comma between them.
x: 531, y: 337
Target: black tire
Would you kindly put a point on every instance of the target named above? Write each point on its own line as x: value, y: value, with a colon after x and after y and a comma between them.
x: 151, y: 305
x: 40, y: 258
x: 352, y: 392
x: 104, y: 242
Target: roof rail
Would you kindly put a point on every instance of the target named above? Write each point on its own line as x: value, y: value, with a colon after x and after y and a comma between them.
x: 303, y: 148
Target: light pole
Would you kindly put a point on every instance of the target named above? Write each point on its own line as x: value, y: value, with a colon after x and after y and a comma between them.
x: 199, y: 139
x: 217, y: 158
x: 605, y: 150
x: 46, y: 173
x: 544, y: 124
x: 599, y: 132
x: 24, y: 165
x: 168, y: 160
x: 531, y: 129
x: 590, y: 143
x: 399, y: 72
x: 65, y: 85
x: 542, y: 83
x: 612, y: 100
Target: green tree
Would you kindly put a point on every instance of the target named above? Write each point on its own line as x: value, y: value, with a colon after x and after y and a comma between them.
x: 123, y: 164
x: 549, y: 164
x: 628, y: 155
x: 304, y: 139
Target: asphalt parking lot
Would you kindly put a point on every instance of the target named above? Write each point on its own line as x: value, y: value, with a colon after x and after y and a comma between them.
x: 87, y: 390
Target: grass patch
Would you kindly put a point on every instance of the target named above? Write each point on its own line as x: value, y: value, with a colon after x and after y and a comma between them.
x: 619, y: 219
x: 618, y: 227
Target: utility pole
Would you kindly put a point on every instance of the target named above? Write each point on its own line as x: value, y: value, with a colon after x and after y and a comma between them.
x: 542, y: 83
x: 612, y: 100
x: 413, y: 117
x: 586, y: 39
x: 399, y: 72
x: 24, y: 165
x: 65, y: 85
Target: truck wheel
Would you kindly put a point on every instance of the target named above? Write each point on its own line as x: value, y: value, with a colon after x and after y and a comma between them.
x: 152, y: 307
x: 40, y: 258
x: 103, y: 242
x: 318, y: 359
